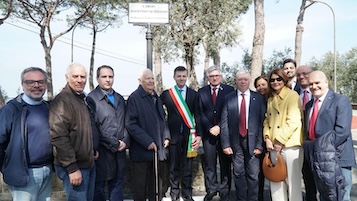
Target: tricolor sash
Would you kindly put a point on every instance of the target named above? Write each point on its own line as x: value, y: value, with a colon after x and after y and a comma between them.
x: 187, y: 118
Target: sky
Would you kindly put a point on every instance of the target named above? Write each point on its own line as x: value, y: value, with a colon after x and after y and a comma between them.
x: 124, y: 47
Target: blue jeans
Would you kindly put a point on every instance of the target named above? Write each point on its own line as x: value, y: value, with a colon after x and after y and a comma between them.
x: 83, y: 192
x: 347, y: 173
x: 115, y: 190
x: 38, y: 188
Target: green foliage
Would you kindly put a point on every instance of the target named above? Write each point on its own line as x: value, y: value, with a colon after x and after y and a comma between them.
x: 346, y: 74
x: 276, y: 60
x: 3, y: 97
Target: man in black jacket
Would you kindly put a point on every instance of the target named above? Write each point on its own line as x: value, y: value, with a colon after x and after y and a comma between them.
x: 110, y: 118
x: 145, y: 122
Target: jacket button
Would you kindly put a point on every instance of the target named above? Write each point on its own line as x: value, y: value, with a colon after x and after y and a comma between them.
x: 278, y: 112
x: 214, y: 112
x: 270, y: 114
x: 278, y: 126
x: 269, y: 127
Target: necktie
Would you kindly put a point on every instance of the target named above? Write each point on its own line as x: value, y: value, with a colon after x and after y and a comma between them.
x: 305, y: 99
x: 214, y: 95
x: 313, y: 118
x: 242, y: 118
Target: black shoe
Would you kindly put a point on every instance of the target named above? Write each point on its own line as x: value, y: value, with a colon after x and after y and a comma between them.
x: 188, y: 199
x: 209, y: 196
x: 224, y: 197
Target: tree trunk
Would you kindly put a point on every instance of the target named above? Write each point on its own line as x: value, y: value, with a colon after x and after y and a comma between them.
x: 48, y: 61
x: 216, y: 59
x: 157, y: 66
x: 206, y: 66
x: 299, y: 32
x: 190, y: 67
x: 258, y: 41
x: 91, y: 66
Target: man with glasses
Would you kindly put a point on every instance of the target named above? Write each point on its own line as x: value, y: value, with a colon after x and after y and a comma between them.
x: 211, y: 104
x: 25, y: 140
x: 302, y: 75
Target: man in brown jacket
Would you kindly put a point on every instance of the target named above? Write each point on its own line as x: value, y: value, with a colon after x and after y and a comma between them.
x: 71, y: 136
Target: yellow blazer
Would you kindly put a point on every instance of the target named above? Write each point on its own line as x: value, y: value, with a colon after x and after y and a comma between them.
x: 283, y: 120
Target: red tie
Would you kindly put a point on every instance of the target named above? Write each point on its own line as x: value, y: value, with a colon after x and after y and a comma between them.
x: 305, y: 99
x: 313, y: 118
x: 242, y: 118
x: 214, y: 95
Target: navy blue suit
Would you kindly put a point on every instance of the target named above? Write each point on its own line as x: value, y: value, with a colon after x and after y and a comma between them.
x: 211, y: 116
x: 246, y: 165
x: 179, y: 132
x: 335, y: 115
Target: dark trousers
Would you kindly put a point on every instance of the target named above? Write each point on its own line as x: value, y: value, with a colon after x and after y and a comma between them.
x: 115, y: 190
x: 180, y: 169
x: 310, y: 187
x: 246, y: 170
x: 212, y: 148
x: 144, y: 181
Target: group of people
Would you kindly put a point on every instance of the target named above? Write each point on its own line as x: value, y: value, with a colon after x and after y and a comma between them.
x: 83, y: 137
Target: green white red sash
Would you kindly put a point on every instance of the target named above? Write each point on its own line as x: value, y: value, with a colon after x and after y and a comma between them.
x: 186, y: 116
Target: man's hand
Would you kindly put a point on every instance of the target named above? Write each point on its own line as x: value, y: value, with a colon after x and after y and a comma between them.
x: 122, y: 145
x: 196, y: 142
x: 257, y: 151
x: 75, y: 178
x: 166, y: 143
x: 215, y: 130
x: 228, y: 151
x: 96, y: 155
x: 152, y: 146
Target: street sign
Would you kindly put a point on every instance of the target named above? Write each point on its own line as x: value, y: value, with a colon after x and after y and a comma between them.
x: 149, y: 13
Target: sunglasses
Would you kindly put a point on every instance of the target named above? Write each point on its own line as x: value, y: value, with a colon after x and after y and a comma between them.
x: 279, y: 79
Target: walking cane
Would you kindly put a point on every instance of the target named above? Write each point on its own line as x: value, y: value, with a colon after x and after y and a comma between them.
x: 156, y: 174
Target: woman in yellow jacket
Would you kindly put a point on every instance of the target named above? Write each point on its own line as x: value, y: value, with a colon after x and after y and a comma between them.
x: 283, y: 133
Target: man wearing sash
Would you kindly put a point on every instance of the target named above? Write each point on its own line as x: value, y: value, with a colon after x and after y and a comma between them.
x: 183, y: 114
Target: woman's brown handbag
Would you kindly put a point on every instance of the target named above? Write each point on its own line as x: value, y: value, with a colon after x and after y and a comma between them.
x: 277, y: 172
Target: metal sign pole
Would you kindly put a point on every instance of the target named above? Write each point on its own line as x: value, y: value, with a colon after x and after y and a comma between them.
x: 149, y: 47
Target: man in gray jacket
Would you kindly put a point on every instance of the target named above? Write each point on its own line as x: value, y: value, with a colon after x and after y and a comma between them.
x: 110, y: 118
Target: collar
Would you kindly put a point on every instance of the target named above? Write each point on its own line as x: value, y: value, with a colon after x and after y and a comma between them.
x: 29, y: 100
x: 283, y: 93
x: 322, y: 98
x: 184, y: 88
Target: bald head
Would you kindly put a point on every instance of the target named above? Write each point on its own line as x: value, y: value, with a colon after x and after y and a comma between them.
x: 318, y: 83
x: 146, y: 80
x: 76, y: 77
x: 302, y: 75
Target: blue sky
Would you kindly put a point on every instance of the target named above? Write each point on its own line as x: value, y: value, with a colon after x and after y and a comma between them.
x: 124, y: 48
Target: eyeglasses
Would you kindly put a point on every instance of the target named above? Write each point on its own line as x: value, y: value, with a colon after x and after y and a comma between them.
x: 32, y: 83
x: 212, y: 76
x: 279, y: 79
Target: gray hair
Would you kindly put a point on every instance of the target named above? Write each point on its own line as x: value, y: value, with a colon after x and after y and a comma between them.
x: 72, y: 65
x: 242, y: 72
x: 213, y: 68
x: 31, y: 69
